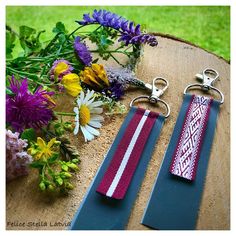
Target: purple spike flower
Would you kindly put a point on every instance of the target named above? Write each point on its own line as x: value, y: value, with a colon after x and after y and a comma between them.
x: 130, y: 34
x: 82, y: 52
x: 27, y: 110
x: 139, y: 39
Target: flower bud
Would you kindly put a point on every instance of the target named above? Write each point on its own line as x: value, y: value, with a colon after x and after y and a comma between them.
x: 65, y: 175
x: 69, y: 186
x: 68, y: 126
x: 51, y: 187
x: 73, y: 166
x: 75, y: 160
x: 42, y: 186
x: 64, y: 167
x: 59, y: 131
x: 59, y: 180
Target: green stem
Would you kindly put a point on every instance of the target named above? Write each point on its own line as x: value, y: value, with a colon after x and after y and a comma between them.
x: 22, y: 73
x: 121, y: 46
x: 116, y: 60
x: 65, y: 113
x: 82, y: 38
x: 112, y: 51
x: 50, y: 171
x: 65, y: 53
x: 75, y: 30
x: 50, y: 43
x: 43, y: 171
x: 128, y: 48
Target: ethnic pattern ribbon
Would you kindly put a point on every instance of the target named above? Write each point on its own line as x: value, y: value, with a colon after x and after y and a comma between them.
x: 126, y: 157
x: 174, y: 203
x: 187, y: 152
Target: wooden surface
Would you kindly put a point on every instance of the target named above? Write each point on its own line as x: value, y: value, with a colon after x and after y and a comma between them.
x: 27, y: 208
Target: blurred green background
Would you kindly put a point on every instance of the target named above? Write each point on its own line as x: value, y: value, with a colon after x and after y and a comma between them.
x: 206, y: 26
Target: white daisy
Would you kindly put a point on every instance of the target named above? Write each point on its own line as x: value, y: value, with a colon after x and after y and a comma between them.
x: 87, y: 115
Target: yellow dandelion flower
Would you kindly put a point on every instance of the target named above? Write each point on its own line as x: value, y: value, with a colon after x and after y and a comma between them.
x: 60, y: 68
x: 95, y: 76
x: 71, y: 84
x: 43, y: 150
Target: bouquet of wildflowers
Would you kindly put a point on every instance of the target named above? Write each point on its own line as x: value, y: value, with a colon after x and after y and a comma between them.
x: 36, y: 133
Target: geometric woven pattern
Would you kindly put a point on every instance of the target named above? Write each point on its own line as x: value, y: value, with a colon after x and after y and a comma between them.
x: 187, y: 152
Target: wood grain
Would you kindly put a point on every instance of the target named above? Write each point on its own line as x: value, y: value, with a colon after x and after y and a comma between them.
x: 178, y: 62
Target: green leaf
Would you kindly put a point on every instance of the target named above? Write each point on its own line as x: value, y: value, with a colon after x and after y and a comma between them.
x: 95, y: 60
x: 26, y: 31
x: 104, y: 38
x: 60, y: 27
x: 29, y: 134
x: 10, y: 39
x: 53, y: 158
x: 9, y: 92
x: 105, y: 42
x: 37, y: 165
x: 57, y: 125
x: 29, y: 39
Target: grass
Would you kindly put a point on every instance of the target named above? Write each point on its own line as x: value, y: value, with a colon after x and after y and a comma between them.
x: 206, y: 26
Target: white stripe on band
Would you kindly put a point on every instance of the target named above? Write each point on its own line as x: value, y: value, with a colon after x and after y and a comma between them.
x: 126, y: 157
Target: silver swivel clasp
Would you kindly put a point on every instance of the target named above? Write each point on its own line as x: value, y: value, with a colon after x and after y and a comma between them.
x: 207, y: 78
x: 156, y: 93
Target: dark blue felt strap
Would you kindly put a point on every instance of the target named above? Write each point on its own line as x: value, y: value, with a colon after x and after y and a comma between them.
x: 98, y: 212
x: 174, y: 202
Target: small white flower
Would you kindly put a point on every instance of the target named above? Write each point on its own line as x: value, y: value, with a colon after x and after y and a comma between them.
x: 87, y: 115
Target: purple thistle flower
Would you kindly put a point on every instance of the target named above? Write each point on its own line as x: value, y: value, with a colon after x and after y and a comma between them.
x: 82, y: 52
x: 27, y: 110
x: 130, y: 34
x: 17, y: 159
x: 57, y: 73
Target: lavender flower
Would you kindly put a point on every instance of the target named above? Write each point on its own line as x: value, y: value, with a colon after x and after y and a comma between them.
x: 130, y: 34
x: 82, y: 52
x: 27, y: 110
x: 17, y: 159
x: 124, y: 76
x: 115, y: 90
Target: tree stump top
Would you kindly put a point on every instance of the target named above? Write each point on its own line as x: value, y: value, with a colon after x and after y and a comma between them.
x: 177, y: 61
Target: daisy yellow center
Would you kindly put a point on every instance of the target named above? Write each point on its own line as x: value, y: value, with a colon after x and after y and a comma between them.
x: 84, y: 115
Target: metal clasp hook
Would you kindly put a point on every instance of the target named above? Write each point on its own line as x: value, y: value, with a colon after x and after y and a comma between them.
x: 208, y: 78
x: 155, y: 94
